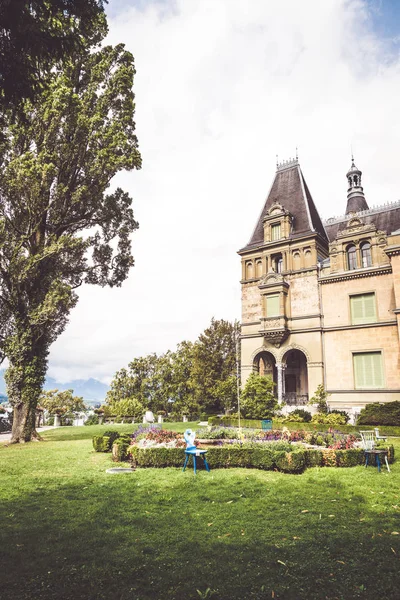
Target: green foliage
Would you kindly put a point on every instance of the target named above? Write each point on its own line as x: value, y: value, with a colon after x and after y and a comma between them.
x: 213, y: 372
x: 190, y: 381
x: 380, y: 414
x: 59, y: 155
x: 127, y: 407
x: 291, y: 462
x: 299, y: 415
x: 350, y: 458
x: 92, y: 420
x: 60, y: 403
x: 120, y: 449
x: 343, y: 413
x: 320, y: 399
x: 266, y: 457
x: 36, y: 37
x: 332, y: 419
x: 101, y: 443
x: 257, y: 398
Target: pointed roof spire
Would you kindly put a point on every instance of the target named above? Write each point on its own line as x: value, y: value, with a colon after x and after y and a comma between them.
x: 290, y: 190
x: 355, y: 194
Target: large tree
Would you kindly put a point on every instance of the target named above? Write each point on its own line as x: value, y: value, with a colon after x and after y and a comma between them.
x: 214, y: 362
x: 37, y: 35
x: 58, y: 226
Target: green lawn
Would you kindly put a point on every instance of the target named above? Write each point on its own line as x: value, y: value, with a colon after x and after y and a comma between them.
x: 71, y: 531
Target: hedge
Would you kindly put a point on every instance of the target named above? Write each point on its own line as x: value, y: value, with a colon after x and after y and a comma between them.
x: 296, y: 425
x: 256, y: 456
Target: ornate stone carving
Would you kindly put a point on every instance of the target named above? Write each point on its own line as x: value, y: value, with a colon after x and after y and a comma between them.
x: 276, y: 336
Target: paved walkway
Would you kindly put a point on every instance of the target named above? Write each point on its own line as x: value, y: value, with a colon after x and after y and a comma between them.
x: 6, y: 437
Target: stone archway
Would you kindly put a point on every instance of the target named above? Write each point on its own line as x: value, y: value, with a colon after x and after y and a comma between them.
x: 295, y: 379
x: 264, y: 363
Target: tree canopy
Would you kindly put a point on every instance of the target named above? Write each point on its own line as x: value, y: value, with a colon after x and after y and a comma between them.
x: 257, y: 400
x: 197, y: 377
x: 58, y: 226
x: 36, y: 35
x: 61, y: 402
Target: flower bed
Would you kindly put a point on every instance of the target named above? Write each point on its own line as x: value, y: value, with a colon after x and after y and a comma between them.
x: 286, y: 451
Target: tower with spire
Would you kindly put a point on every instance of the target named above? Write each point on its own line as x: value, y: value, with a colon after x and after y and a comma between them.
x: 355, y: 194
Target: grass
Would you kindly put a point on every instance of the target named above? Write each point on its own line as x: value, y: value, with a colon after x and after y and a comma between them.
x: 71, y: 531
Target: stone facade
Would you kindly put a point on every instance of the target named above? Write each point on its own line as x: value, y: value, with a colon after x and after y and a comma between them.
x: 321, y: 302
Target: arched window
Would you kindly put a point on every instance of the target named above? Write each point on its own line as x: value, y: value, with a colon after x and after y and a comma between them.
x: 307, y: 258
x: 366, y: 258
x: 249, y: 270
x: 277, y: 262
x: 351, y: 258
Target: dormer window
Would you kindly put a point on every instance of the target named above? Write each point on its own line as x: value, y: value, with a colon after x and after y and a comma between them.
x: 366, y: 257
x: 275, y: 232
x: 351, y: 257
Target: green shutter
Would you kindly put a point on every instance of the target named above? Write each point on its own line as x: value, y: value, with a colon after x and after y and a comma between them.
x: 363, y: 308
x: 273, y: 308
x: 368, y: 371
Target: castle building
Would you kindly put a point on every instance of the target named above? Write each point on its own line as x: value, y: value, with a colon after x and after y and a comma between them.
x: 321, y: 300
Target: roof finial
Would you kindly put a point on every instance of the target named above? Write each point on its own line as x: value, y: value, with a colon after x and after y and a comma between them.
x: 297, y: 153
x: 352, y: 155
x: 277, y: 161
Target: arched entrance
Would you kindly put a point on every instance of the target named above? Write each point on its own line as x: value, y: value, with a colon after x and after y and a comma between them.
x: 296, y: 378
x: 264, y: 364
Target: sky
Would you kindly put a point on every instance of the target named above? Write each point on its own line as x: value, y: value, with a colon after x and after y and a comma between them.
x: 222, y: 87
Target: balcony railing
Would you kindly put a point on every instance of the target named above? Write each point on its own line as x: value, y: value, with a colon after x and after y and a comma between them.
x: 293, y: 399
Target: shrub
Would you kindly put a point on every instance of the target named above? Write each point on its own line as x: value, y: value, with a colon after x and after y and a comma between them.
x: 291, y: 462
x: 329, y: 419
x: 313, y: 457
x: 380, y: 414
x: 101, y: 443
x: 120, y: 449
x: 257, y: 398
x: 344, y: 414
x: 350, y: 458
x: 92, y: 420
x: 298, y: 415
x: 320, y: 399
x: 104, y: 443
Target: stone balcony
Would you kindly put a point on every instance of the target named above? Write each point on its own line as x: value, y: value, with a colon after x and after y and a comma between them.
x: 274, y: 329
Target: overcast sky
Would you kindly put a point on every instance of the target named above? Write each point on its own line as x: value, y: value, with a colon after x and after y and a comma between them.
x: 222, y: 87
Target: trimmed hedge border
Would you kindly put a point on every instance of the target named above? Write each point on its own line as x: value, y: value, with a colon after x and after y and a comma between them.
x: 294, y: 426
x: 255, y: 457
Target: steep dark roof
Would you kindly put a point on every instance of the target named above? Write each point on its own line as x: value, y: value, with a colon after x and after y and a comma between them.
x: 290, y: 190
x: 385, y: 218
x: 355, y: 204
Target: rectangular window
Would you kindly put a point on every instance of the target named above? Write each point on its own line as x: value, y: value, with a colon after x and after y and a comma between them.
x: 368, y: 370
x: 276, y: 232
x: 363, y: 308
x: 272, y: 305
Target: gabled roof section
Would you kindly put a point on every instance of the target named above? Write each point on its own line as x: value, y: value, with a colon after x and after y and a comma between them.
x: 290, y: 190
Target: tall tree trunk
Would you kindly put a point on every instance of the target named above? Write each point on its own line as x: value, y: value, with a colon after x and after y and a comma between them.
x: 25, y: 378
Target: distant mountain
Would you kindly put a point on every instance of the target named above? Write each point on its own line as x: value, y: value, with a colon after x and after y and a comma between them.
x: 92, y: 390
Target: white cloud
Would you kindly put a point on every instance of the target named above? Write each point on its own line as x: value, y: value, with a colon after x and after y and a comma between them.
x: 223, y: 86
